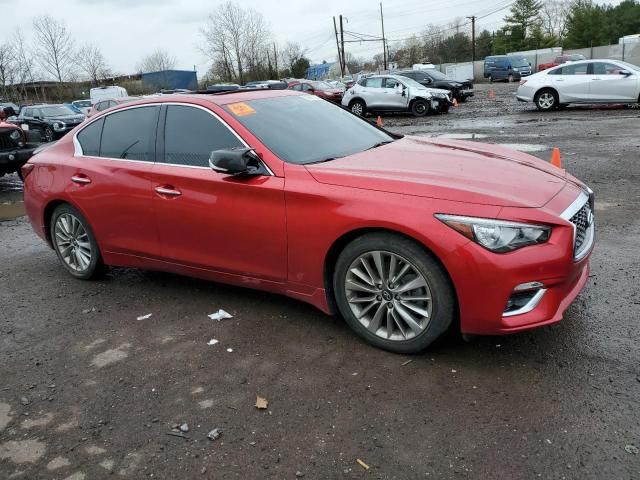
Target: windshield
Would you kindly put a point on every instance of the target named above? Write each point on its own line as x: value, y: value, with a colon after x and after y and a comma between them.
x: 56, y: 111
x: 304, y: 129
x: 519, y: 62
x: 322, y: 86
x: 436, y: 75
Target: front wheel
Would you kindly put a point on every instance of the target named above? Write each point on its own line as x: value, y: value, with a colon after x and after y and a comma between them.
x: 510, y: 78
x: 545, y: 100
x: 393, y: 293
x: 419, y: 108
x: 48, y: 134
x: 357, y: 107
x: 74, y: 243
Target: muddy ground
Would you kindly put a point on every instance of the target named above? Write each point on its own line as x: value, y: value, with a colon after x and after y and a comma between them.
x: 88, y: 391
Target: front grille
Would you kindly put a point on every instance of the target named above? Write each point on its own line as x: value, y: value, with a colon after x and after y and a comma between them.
x: 5, y: 140
x: 583, y: 221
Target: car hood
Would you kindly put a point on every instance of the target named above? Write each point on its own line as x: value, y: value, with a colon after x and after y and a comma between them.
x: 433, y: 91
x: 447, y: 169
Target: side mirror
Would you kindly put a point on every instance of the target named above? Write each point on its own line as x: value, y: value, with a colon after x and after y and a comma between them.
x: 235, y: 161
x: 427, y: 81
x: 626, y: 73
x: 37, y: 117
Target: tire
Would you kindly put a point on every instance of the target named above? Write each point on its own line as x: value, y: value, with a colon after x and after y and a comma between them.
x: 419, y: 108
x: 387, y: 310
x: 445, y: 109
x: 47, y: 134
x: 510, y: 78
x: 358, y: 107
x: 490, y: 78
x: 546, y: 99
x: 78, y: 245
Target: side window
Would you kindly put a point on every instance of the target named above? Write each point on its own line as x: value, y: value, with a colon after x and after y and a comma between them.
x: 297, y: 87
x: 28, y: 112
x: 306, y: 87
x: 573, y: 69
x: 130, y: 134
x: 89, y: 138
x: 100, y: 106
x: 391, y: 83
x: 557, y: 71
x: 602, y: 68
x: 374, y: 82
x: 191, y: 134
x: 37, y: 112
x: 411, y: 75
x: 112, y: 103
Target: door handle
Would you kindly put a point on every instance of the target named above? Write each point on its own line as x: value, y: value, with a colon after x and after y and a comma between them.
x: 80, y: 179
x: 169, y: 191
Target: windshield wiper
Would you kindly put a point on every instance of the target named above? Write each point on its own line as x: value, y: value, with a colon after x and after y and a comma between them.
x: 322, y: 160
x: 379, y: 144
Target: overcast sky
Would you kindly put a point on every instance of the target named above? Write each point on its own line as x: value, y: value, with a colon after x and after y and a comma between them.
x: 127, y: 30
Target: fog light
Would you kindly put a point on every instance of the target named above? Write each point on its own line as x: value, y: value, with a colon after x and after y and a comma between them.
x: 524, y: 298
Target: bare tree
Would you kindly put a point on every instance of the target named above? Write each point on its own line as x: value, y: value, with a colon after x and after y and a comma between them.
x: 7, y: 68
x: 553, y: 16
x: 24, y: 63
x: 158, y: 61
x: 54, y: 46
x: 293, y: 53
x: 92, y: 63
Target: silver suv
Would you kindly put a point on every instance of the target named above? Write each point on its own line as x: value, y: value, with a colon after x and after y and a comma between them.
x: 393, y: 93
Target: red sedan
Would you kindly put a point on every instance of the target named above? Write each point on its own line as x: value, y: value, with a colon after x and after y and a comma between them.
x: 319, y: 89
x: 405, y: 237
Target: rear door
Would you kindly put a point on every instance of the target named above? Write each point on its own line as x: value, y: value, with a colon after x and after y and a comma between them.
x: 372, y: 93
x: 608, y: 85
x: 392, y: 90
x: 206, y: 219
x: 110, y: 179
x: 572, y: 82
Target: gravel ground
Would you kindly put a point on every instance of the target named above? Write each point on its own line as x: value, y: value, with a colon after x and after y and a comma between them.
x: 88, y: 391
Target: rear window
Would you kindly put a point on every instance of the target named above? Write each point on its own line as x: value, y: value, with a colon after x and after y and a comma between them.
x: 89, y: 138
x: 374, y: 82
x: 130, y: 134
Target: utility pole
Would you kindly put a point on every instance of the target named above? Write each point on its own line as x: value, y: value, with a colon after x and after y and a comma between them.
x: 473, y: 38
x: 335, y: 29
x: 275, y: 57
x: 343, y: 63
x: 384, y: 50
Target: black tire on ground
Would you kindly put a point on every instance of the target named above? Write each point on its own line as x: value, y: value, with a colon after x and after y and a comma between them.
x: 490, y: 78
x: 357, y: 107
x: 419, y: 108
x: 96, y: 266
x: 47, y: 134
x: 510, y: 78
x: 546, y: 99
x: 442, y: 292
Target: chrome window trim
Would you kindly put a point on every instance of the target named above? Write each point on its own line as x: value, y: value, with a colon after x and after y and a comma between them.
x: 530, y: 305
x: 79, y: 153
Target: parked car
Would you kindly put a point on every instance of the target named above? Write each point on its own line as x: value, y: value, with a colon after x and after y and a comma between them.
x: 509, y: 68
x: 83, y: 105
x: 52, y: 121
x: 394, y: 93
x: 73, y: 108
x: 108, y: 103
x: 319, y: 89
x: 433, y: 78
x: 105, y: 93
x: 560, y: 59
x: 587, y: 81
x: 16, y: 147
x: 404, y: 236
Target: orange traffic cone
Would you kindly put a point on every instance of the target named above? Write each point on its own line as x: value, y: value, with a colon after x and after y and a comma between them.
x: 555, y: 158
x: 492, y: 94
x: 379, y: 121
x: 455, y: 103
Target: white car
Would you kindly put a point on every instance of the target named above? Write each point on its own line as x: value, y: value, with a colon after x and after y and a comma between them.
x: 394, y: 93
x: 587, y: 81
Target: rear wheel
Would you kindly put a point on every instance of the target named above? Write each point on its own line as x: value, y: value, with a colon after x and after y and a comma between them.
x: 490, y: 78
x: 357, y: 107
x: 392, y: 293
x: 510, y: 78
x: 546, y: 99
x: 75, y: 244
x: 419, y: 107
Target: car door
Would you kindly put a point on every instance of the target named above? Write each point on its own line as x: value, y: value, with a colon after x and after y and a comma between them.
x: 110, y: 179
x: 609, y: 85
x: 392, y: 90
x: 210, y: 220
x: 571, y: 82
x: 372, y: 93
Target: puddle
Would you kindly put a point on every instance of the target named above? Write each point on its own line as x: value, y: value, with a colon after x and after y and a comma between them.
x: 525, y: 147
x: 462, y: 136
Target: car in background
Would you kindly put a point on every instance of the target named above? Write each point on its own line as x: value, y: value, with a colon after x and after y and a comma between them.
x: 83, y: 105
x: 559, y: 60
x: 8, y: 109
x: 108, y: 103
x: 73, y: 108
x: 394, y: 93
x: 53, y: 121
x: 105, y: 93
x: 509, y: 68
x: 336, y: 84
x: 585, y: 81
x: 319, y: 89
x: 406, y: 237
x: 436, y: 79
x: 16, y: 145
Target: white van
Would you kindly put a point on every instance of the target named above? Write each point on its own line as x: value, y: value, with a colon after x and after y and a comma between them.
x: 107, y: 93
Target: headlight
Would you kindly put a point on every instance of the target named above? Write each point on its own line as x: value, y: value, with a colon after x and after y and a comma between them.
x: 58, y: 126
x: 15, y: 136
x: 497, y: 235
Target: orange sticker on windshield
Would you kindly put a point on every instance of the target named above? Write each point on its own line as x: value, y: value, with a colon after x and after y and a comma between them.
x: 241, y: 109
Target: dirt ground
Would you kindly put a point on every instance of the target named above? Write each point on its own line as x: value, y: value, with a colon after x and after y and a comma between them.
x: 87, y: 391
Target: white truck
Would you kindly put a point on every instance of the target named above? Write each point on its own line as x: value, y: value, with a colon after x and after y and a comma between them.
x: 107, y: 93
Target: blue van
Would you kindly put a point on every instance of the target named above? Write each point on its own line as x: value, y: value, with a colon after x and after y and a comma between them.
x: 506, y: 67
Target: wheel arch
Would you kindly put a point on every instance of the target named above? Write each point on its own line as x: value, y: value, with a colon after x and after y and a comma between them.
x: 341, y: 242
x: 357, y: 98
x: 546, y: 87
x: 48, y: 214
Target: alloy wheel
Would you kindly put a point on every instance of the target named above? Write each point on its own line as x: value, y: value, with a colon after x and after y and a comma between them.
x: 72, y: 242
x: 48, y: 134
x: 357, y: 108
x: 546, y: 100
x: 388, y: 295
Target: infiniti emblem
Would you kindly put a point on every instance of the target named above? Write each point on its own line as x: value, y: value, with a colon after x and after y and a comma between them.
x: 386, y: 295
x: 589, y: 217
